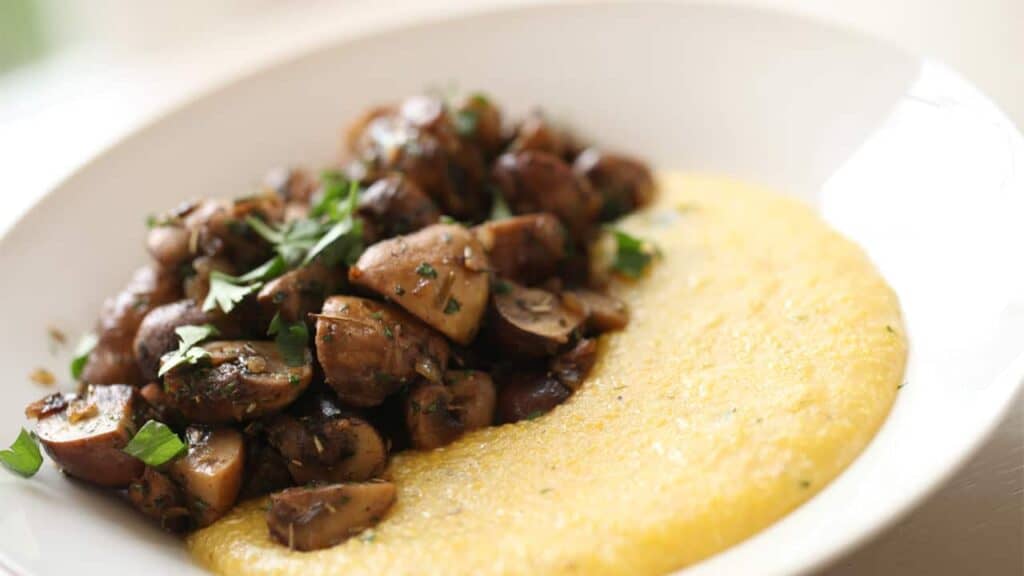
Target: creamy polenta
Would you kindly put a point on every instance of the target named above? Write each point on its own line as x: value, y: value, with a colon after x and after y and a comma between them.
x: 763, y: 353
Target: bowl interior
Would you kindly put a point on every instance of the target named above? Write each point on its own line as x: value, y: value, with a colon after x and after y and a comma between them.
x: 897, y: 152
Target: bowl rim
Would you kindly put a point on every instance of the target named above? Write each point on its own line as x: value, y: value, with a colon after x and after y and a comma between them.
x: 363, y: 22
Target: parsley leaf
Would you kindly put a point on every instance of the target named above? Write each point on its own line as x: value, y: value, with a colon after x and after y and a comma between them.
x: 226, y: 291
x: 155, y: 444
x: 23, y: 457
x: 292, y: 339
x: 426, y: 270
x: 632, y: 255
x: 335, y: 188
x: 452, y: 306
x: 291, y: 240
x: 499, y: 207
x: 82, y: 352
x: 187, y: 353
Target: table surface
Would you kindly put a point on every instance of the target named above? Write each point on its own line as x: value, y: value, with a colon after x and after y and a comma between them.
x: 974, y: 524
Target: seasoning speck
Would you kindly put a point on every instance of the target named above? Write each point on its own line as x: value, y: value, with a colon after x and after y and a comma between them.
x: 43, y: 377
x: 426, y: 270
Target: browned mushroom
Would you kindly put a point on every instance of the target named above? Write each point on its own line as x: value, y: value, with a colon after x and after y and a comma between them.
x: 439, y: 274
x: 86, y: 436
x: 438, y: 414
x: 534, y: 182
x: 478, y: 121
x: 419, y: 141
x: 300, y: 292
x: 197, y: 284
x: 623, y: 183
x: 211, y: 473
x: 396, y: 205
x: 215, y: 227
x: 530, y: 321
x: 310, y: 518
x: 526, y: 249
x: 604, y: 313
x: 157, y: 405
x: 242, y: 381
x: 323, y: 443
x: 156, y: 496
x: 572, y: 366
x: 369, y: 349
x: 528, y: 394
x: 156, y: 337
x: 536, y: 133
x: 112, y: 361
x: 266, y: 470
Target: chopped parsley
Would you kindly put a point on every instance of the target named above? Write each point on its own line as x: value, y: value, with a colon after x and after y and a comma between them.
x: 426, y: 270
x: 452, y: 306
x: 291, y: 338
x: 292, y: 240
x: 82, y: 352
x: 226, y: 291
x: 446, y: 219
x: 23, y: 457
x: 501, y: 287
x: 187, y: 353
x: 155, y: 444
x: 632, y: 255
x: 499, y: 207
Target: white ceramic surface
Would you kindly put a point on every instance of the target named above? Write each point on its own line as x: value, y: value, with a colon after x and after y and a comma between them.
x: 897, y: 152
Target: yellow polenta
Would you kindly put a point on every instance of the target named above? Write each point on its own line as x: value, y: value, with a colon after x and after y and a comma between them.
x: 764, y: 351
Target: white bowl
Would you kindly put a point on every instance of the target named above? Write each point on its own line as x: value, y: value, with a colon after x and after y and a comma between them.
x: 897, y: 152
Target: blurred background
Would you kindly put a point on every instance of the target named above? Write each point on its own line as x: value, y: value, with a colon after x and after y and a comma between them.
x: 75, y: 75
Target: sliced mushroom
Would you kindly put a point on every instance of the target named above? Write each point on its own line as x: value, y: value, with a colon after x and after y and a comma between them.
x: 293, y: 185
x: 604, y: 313
x: 572, y: 366
x: 310, y: 518
x: 396, y: 205
x: 156, y: 334
x: 328, y: 445
x: 528, y: 394
x: 243, y: 381
x: 438, y: 414
x: 623, y: 183
x: 156, y: 496
x: 85, y: 438
x: 531, y: 321
x: 539, y: 182
x: 478, y: 121
x: 369, y: 349
x: 439, y: 274
x: 298, y: 293
x: 112, y: 361
x: 526, y: 249
x: 211, y: 473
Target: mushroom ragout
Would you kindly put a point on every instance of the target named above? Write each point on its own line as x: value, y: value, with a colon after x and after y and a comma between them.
x: 286, y: 343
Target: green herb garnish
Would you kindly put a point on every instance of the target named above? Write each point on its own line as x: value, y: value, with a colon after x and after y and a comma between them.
x: 426, y: 270
x: 187, y: 353
x: 155, y: 444
x: 23, y: 457
x: 632, y: 255
x: 466, y: 122
x: 226, y: 291
x: 82, y: 352
x: 499, y: 207
x: 452, y: 306
x: 291, y: 338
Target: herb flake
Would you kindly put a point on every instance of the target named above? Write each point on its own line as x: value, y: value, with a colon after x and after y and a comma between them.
x: 23, y: 457
x: 81, y: 354
x: 632, y: 255
x: 426, y: 270
x: 155, y: 444
x: 187, y: 353
x: 292, y: 339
